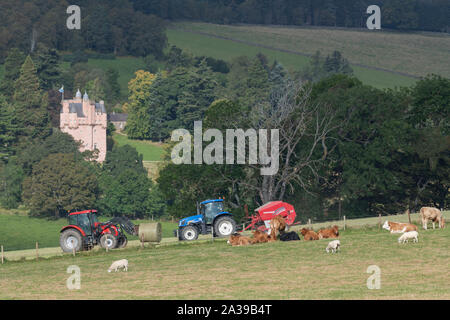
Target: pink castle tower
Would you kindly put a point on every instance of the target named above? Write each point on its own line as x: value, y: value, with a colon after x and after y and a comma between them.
x: 85, y: 121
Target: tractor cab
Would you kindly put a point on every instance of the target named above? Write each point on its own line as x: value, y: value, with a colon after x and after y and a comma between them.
x: 86, y: 220
x: 210, y: 218
x: 209, y: 209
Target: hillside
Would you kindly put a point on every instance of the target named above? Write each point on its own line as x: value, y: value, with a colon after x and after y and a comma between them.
x: 381, y: 59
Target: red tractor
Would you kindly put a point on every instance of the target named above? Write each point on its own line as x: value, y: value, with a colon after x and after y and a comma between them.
x: 84, y: 231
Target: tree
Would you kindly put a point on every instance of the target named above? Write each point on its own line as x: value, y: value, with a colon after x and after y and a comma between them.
x: 47, y: 67
x: 12, y: 65
x: 321, y: 68
x: 30, y: 105
x: 173, y: 101
x: 58, y: 184
x: 112, y: 90
x: 11, y: 177
x: 34, y: 151
x: 125, y: 186
x: 122, y: 158
x: 139, y: 89
x: 9, y: 129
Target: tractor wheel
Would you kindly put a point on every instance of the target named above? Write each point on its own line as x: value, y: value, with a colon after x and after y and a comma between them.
x: 189, y: 233
x: 224, y: 227
x: 70, y: 239
x: 122, y: 243
x: 108, y: 241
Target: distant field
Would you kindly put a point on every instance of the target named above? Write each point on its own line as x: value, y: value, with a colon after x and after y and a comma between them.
x: 416, y: 54
x: 277, y: 270
x: 151, y: 151
x: 22, y: 232
x: 126, y: 66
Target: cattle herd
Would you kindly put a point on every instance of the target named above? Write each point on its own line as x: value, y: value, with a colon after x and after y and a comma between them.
x: 278, y: 228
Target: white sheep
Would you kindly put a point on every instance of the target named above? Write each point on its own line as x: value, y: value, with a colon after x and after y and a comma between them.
x: 333, y: 246
x: 409, y: 235
x: 119, y: 264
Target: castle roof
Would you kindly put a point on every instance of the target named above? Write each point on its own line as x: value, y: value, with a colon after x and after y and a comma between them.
x: 76, y: 108
x: 100, y: 107
x: 117, y: 117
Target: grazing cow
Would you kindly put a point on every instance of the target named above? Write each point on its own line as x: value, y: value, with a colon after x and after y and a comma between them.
x: 116, y: 265
x: 309, y: 234
x: 289, y: 236
x: 395, y: 227
x: 409, y: 235
x: 277, y: 225
x: 238, y: 240
x: 261, y: 237
x: 332, y: 232
x: 431, y: 214
x: 333, y: 246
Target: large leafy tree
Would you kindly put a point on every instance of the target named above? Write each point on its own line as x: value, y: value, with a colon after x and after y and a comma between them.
x: 173, y: 101
x: 58, y: 184
x: 37, y: 149
x: 125, y: 187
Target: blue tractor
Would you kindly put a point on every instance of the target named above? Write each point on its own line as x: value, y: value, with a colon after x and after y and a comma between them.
x: 210, y: 218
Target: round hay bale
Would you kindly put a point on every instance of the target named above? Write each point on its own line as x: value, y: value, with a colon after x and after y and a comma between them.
x: 150, y: 232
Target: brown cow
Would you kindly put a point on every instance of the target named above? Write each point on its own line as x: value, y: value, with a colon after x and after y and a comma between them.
x: 238, y: 240
x: 397, y: 227
x: 309, y: 234
x: 433, y: 214
x: 332, y: 232
x: 261, y: 237
x: 277, y: 225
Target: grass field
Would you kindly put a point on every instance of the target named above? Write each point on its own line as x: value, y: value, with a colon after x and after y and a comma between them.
x: 416, y: 54
x: 280, y: 270
x: 151, y: 151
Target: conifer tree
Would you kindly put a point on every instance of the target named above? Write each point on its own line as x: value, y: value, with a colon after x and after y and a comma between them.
x: 29, y: 103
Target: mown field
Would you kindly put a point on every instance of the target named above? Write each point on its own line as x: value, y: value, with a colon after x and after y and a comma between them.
x: 416, y: 54
x: 151, y: 151
x: 280, y: 270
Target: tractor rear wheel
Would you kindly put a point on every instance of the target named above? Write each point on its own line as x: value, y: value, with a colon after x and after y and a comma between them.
x: 108, y: 241
x: 224, y: 226
x: 70, y: 239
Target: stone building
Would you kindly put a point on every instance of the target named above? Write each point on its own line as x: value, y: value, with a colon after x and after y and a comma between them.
x: 85, y: 121
x: 119, y: 120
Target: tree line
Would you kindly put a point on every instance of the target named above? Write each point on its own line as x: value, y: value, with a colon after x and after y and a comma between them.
x: 107, y: 26
x: 427, y: 15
